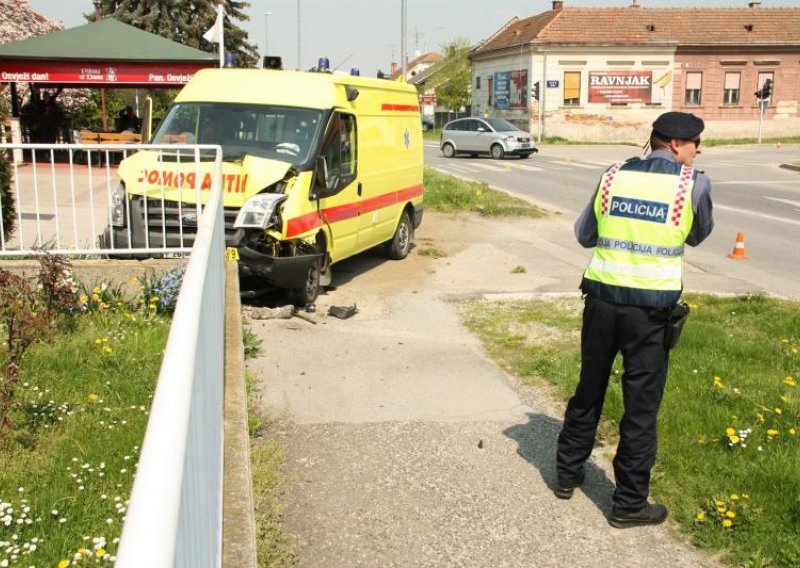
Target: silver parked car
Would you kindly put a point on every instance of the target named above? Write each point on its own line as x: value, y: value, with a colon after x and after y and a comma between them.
x: 494, y: 136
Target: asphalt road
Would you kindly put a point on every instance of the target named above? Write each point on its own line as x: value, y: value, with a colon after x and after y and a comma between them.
x: 751, y: 193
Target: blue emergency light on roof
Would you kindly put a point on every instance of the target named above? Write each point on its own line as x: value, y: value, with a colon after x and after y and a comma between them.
x: 355, y: 72
x: 323, y: 64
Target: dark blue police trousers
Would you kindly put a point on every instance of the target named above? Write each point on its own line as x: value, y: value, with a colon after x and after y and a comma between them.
x: 638, y: 333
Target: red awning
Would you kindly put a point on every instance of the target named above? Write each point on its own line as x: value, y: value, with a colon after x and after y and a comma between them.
x: 99, y: 74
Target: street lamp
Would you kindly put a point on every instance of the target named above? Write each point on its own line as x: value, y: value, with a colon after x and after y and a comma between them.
x: 266, y: 32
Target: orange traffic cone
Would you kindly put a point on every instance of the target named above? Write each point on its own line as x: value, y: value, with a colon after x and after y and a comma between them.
x: 738, y: 250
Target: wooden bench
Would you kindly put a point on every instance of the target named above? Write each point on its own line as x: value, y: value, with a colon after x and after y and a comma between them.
x: 90, y: 137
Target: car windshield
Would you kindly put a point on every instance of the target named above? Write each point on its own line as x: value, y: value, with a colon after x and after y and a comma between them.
x: 279, y: 133
x: 501, y: 125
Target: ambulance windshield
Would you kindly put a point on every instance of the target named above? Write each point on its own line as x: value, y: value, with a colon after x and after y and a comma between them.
x: 278, y: 133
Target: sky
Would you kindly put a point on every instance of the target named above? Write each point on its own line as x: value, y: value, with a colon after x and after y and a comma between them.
x: 367, y: 33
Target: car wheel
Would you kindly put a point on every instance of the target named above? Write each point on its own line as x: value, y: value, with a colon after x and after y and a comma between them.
x: 400, y: 245
x: 448, y: 150
x: 497, y: 152
x: 310, y: 290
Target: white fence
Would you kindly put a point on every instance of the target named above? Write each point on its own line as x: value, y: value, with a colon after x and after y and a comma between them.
x: 65, y: 198
x: 174, y: 516
x: 175, y: 512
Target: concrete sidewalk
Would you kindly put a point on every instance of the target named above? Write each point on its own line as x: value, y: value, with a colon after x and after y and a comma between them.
x: 407, y: 446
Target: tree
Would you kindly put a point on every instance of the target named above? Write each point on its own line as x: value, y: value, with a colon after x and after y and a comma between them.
x: 453, y: 78
x: 185, y: 22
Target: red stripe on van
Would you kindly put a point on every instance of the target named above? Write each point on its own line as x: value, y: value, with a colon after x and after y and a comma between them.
x: 309, y: 221
x: 407, y: 108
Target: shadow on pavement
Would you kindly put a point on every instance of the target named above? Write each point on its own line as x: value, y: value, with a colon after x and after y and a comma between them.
x: 537, y: 444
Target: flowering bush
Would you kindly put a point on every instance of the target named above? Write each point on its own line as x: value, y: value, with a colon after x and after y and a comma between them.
x: 161, y: 293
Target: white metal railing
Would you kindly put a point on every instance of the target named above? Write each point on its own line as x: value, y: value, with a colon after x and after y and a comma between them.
x: 175, y: 512
x: 63, y: 202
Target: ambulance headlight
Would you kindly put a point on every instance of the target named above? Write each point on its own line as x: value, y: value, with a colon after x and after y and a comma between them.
x: 118, y: 206
x: 258, y: 211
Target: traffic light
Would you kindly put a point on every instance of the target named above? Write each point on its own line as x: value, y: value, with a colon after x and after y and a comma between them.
x: 535, y: 91
x: 766, y: 90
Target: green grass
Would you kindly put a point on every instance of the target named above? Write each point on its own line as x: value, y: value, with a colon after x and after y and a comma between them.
x: 274, y: 547
x: 752, y: 344
x: 450, y: 194
x: 431, y: 251
x: 753, y: 140
x: 86, y: 397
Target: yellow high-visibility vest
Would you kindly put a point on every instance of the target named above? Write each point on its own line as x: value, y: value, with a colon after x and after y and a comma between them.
x: 643, y: 219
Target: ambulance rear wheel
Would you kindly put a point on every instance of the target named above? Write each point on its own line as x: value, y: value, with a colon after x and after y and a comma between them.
x: 497, y: 152
x: 310, y: 290
x: 400, y: 245
x: 448, y: 151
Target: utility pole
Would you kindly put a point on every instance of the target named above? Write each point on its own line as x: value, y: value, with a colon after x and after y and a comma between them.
x: 266, y: 32
x: 403, y: 33
x: 298, y: 35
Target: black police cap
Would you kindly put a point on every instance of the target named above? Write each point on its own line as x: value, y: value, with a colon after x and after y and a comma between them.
x: 679, y: 125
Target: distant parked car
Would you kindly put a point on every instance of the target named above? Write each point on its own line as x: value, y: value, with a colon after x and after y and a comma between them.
x: 493, y: 136
x: 428, y: 123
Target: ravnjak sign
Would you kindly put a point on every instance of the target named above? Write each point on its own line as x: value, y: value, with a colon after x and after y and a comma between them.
x: 620, y: 86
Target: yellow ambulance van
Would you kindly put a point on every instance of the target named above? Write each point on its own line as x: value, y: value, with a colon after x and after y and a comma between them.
x: 316, y: 167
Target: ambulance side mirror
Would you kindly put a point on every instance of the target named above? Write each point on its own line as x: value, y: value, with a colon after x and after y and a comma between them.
x: 320, y: 179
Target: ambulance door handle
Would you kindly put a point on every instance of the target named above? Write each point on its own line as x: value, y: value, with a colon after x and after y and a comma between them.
x: 359, y: 189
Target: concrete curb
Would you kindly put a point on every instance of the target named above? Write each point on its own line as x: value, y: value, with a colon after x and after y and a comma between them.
x: 238, y: 513
x: 793, y: 167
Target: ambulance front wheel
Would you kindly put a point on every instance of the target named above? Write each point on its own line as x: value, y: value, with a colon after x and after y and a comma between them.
x: 310, y: 290
x: 400, y: 245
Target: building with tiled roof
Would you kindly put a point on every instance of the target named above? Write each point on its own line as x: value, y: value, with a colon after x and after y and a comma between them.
x: 417, y: 65
x: 606, y: 73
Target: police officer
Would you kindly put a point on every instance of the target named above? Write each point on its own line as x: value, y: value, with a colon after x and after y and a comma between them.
x: 638, y: 220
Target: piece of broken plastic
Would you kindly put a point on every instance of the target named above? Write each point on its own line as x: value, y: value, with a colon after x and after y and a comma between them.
x: 342, y: 312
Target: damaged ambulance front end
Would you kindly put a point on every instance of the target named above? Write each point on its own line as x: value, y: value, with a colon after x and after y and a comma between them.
x: 267, y: 155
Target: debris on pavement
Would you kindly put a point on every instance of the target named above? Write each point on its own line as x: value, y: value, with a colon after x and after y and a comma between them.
x: 342, y: 312
x: 284, y: 312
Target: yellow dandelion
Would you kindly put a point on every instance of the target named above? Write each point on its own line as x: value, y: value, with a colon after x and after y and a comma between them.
x: 98, y: 341
x: 734, y: 497
x: 737, y: 392
x: 760, y: 417
x: 730, y: 515
x: 727, y: 523
x: 735, y: 439
x: 784, y: 398
x: 721, y: 510
x: 100, y: 552
x: 730, y: 431
x: 772, y: 432
x: 790, y: 381
x: 701, y: 516
x: 105, y: 340
x: 784, y: 340
x: 93, y: 397
x: 795, y: 350
x: 778, y: 410
x: 97, y: 290
x: 83, y: 298
x: 107, y: 349
x: 792, y: 431
x: 63, y: 564
x: 719, y: 503
x: 134, y: 280
x: 96, y: 297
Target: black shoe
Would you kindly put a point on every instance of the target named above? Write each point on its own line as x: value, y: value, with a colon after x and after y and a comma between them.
x: 565, y: 491
x: 654, y: 514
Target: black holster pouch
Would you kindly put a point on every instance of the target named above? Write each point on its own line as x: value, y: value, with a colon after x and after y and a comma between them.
x: 677, y: 317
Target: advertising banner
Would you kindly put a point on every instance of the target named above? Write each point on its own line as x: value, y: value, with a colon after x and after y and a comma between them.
x: 107, y: 74
x: 620, y: 86
x: 511, y: 90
